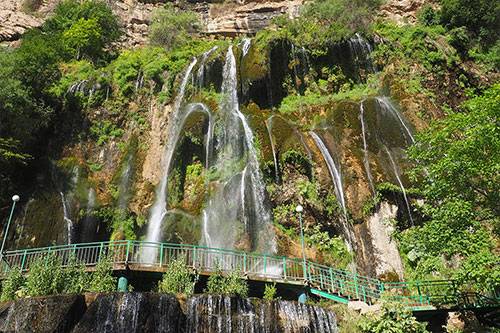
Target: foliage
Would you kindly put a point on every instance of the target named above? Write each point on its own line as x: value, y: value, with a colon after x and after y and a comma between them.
x: 481, y: 18
x: 270, y: 292
x: 428, y: 16
x: 172, y: 27
x: 102, y: 278
x: 333, y: 248
x: 458, y: 171
x: 230, y: 284
x: 120, y: 224
x: 76, y: 279
x: 14, y: 281
x: 178, y: 278
x: 325, y: 22
x: 104, y: 131
x: 45, y: 277
x: 393, y: 317
x: 298, y: 160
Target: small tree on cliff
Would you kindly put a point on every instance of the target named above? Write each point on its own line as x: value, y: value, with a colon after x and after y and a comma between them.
x: 178, y: 278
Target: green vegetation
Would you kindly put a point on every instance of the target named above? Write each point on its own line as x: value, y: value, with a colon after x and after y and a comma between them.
x: 231, y: 283
x: 393, y: 317
x: 270, y: 292
x: 47, y: 277
x: 325, y: 22
x: 178, y: 278
x: 120, y: 223
x: 172, y: 27
x: 104, y: 131
x: 459, y: 158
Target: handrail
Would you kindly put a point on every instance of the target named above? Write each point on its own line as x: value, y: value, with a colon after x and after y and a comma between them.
x: 346, y: 284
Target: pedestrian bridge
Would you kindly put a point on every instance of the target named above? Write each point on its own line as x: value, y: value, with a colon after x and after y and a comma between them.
x: 328, y: 282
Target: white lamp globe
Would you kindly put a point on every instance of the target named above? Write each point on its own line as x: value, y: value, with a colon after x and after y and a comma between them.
x: 15, y: 198
x: 299, y: 209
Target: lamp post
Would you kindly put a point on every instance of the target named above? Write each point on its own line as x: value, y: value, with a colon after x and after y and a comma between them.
x: 299, y: 210
x: 15, y: 199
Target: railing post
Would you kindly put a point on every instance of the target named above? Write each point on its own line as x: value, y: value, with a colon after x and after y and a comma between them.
x: 419, y: 293
x: 47, y: 257
x: 161, y: 254
x: 194, y: 256
x: 331, y: 278
x: 74, y: 250
x: 284, y: 268
x: 24, y: 259
x: 356, y: 285
x: 245, y: 262
x: 265, y: 263
x: 364, y: 293
x: 127, y: 253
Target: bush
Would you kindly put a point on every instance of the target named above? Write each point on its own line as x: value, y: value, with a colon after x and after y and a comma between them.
x: 231, y: 284
x: 428, y: 16
x: 393, y: 317
x: 270, y: 292
x: 172, y: 27
x: 102, y: 279
x: 46, y: 277
x: 178, y: 278
x: 14, y: 282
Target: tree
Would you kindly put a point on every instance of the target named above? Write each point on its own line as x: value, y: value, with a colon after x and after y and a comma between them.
x: 83, y: 37
x: 102, y: 279
x: 480, y: 17
x: 457, y: 162
x: 171, y: 27
x: 178, y: 278
x: 230, y: 284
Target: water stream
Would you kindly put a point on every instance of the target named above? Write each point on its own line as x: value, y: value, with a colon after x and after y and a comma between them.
x: 67, y: 219
x: 269, y: 127
x: 366, y: 160
x: 159, y: 208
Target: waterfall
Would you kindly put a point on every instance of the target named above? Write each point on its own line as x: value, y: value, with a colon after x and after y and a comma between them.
x: 336, y: 175
x: 159, y: 208
x: 237, y: 167
x: 398, y: 178
x: 125, y: 180
x: 361, y: 51
x: 386, y: 105
x: 334, y: 171
x: 88, y: 227
x: 245, y: 46
x: 221, y: 314
x: 67, y: 218
x: 200, y: 75
x: 269, y: 126
x: 366, y: 160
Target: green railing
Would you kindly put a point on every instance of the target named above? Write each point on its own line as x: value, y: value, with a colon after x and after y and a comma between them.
x: 149, y: 256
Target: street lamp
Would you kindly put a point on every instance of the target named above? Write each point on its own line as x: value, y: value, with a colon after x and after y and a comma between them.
x: 299, y: 209
x: 15, y: 199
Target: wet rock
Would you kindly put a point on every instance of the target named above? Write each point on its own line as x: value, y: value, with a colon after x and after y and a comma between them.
x: 56, y: 314
x: 132, y: 312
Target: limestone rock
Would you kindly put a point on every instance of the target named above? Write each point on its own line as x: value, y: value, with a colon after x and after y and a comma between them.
x: 14, y: 22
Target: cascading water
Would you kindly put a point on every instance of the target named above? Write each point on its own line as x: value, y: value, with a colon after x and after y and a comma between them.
x: 246, y: 42
x: 334, y: 170
x: 366, y: 160
x: 361, y: 52
x: 236, y: 210
x: 398, y: 178
x: 385, y: 105
x: 200, y: 75
x: 221, y: 314
x: 269, y: 127
x: 159, y: 209
x: 67, y: 219
x: 336, y: 175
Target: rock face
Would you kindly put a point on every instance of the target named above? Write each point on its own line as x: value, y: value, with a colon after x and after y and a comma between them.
x: 403, y: 11
x: 42, y: 314
x: 227, y: 18
x: 161, y: 313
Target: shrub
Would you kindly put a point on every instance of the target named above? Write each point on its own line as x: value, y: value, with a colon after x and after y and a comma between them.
x: 76, y: 279
x: 270, y: 292
x: 46, y: 277
x: 172, y: 27
x: 102, y: 279
x: 178, y: 278
x: 231, y: 284
x: 393, y: 317
x: 428, y: 16
x: 14, y: 282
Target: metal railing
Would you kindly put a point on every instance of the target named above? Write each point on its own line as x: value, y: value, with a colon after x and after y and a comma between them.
x: 150, y: 256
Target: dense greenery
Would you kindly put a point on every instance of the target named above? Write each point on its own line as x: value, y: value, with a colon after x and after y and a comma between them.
x: 458, y: 158
x: 47, y: 277
x: 229, y: 283
x: 178, y: 278
x: 172, y: 27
